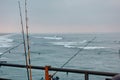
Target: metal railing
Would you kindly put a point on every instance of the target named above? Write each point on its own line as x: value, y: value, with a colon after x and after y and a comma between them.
x: 85, y: 72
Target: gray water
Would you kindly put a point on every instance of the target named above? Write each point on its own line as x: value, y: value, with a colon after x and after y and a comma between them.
x: 55, y: 49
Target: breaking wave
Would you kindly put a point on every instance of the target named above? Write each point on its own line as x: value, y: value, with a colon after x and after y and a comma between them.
x: 5, y: 41
x: 50, y: 38
x: 3, y: 59
x: 76, y: 45
x: 69, y: 43
x: 89, y: 47
x: 1, y: 53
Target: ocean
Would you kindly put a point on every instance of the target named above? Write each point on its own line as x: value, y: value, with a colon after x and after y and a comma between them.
x: 101, y: 54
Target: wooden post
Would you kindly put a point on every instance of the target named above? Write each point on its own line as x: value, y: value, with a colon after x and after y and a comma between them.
x: 47, y: 76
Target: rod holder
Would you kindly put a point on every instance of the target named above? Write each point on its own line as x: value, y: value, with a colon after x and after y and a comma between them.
x: 47, y: 76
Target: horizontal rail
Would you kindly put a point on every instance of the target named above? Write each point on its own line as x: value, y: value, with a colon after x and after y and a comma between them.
x: 86, y: 72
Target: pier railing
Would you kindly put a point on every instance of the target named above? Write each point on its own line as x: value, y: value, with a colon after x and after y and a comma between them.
x: 85, y: 72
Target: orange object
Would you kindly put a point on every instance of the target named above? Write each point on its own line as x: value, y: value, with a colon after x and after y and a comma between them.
x: 47, y: 76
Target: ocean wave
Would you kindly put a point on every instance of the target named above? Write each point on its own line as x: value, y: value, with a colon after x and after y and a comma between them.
x: 8, y: 35
x: 3, y: 58
x: 64, y: 43
x: 76, y: 45
x: 5, y: 45
x: 88, y: 48
x: 69, y: 43
x: 68, y: 46
x: 1, y: 53
x: 2, y: 40
x: 84, y: 41
x: 93, y: 47
x: 5, y: 38
x: 5, y: 41
x: 50, y: 38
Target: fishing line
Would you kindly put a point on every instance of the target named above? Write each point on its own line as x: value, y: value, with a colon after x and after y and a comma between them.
x: 28, y: 46
x: 81, y: 49
x: 24, y: 40
x: 11, y: 49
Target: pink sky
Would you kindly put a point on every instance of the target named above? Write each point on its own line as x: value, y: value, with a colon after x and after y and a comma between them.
x: 64, y: 16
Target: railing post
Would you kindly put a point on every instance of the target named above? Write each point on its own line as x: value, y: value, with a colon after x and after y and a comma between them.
x: 86, y: 76
x: 47, y: 76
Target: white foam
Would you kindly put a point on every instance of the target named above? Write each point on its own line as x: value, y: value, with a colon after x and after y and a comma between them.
x: 5, y: 45
x: 84, y: 41
x: 3, y: 59
x: 55, y: 38
x: 5, y: 41
x: 92, y: 47
x: 50, y: 38
x: 76, y: 45
x: 64, y: 43
x: 68, y: 46
x: 69, y: 43
x: 1, y: 53
x: 5, y: 38
x: 88, y: 48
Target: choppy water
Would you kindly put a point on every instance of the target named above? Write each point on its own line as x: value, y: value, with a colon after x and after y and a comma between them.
x: 55, y: 49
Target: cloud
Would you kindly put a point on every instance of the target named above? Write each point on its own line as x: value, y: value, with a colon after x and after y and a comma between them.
x: 64, y: 14
x: 76, y: 11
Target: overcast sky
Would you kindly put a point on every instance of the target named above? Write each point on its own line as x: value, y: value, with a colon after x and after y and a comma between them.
x: 62, y: 16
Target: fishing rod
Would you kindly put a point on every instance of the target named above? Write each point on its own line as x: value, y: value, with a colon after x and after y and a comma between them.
x: 23, y: 34
x: 28, y: 46
x: 81, y: 49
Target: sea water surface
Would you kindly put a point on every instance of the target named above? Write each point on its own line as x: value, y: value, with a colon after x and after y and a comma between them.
x: 102, y: 54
